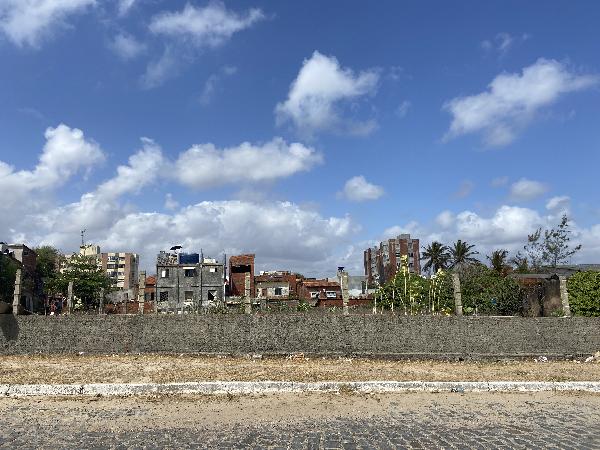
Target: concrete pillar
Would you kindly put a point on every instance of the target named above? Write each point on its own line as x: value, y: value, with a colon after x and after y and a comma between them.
x: 564, y: 296
x: 343, y: 279
x: 141, y: 291
x: 70, y: 298
x: 101, y: 305
x: 17, y: 291
x: 247, y: 295
x: 457, y: 295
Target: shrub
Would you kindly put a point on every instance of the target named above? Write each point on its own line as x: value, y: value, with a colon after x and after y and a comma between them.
x: 584, y: 293
x: 488, y: 292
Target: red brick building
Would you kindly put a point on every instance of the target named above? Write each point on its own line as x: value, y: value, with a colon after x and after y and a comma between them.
x: 312, y: 291
x: 239, y: 267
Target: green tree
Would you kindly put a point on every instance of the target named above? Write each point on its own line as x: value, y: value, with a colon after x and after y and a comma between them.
x: 47, y: 266
x: 88, y: 280
x: 462, y: 254
x: 8, y: 270
x: 551, y: 247
x: 584, y: 293
x: 520, y: 263
x: 498, y: 261
x: 436, y: 256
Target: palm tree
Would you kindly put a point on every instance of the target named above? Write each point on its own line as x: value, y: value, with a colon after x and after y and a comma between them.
x: 498, y: 261
x: 437, y: 256
x: 462, y: 253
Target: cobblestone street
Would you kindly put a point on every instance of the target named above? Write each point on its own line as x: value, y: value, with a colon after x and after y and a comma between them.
x: 348, y: 421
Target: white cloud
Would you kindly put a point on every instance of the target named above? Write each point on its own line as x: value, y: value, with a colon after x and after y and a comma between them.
x: 212, y: 83
x: 358, y: 189
x: 316, y: 96
x: 124, y: 6
x: 126, y: 46
x: 170, y: 203
x: 513, y: 100
x: 208, y: 26
x: 503, y: 43
x: 205, y: 165
x: 65, y: 152
x: 402, y: 110
x: 524, y: 189
x: 559, y: 204
x: 160, y: 70
x: 27, y: 22
x: 445, y: 219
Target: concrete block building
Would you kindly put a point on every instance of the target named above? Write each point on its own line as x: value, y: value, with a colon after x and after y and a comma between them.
x: 186, y: 283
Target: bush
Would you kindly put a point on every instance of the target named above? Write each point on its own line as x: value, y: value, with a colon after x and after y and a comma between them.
x: 584, y: 294
x: 488, y: 292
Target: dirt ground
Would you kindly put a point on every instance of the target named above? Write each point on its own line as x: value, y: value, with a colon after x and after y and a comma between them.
x: 169, y: 368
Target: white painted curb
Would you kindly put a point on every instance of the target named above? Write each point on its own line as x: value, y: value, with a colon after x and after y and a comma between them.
x: 280, y: 387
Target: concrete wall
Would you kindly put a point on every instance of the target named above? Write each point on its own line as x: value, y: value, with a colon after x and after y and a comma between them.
x: 366, y: 335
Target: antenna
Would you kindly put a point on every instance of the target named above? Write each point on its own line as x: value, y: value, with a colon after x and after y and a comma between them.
x: 82, y: 237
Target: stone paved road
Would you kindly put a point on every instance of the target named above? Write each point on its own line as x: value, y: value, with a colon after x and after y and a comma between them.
x: 307, y: 422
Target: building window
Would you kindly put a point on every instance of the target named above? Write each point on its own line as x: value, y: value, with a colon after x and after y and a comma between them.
x: 212, y: 269
x: 164, y: 273
x: 331, y: 294
x: 189, y: 272
x: 164, y: 296
x: 314, y: 295
x: 188, y: 296
x: 212, y: 295
x: 278, y: 291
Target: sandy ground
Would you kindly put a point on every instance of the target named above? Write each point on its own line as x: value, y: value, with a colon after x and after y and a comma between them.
x: 168, y: 369
x: 166, y: 412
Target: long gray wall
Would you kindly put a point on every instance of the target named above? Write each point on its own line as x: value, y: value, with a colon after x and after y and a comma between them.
x: 363, y: 335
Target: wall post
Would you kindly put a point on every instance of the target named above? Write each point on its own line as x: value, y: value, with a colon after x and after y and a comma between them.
x: 457, y: 295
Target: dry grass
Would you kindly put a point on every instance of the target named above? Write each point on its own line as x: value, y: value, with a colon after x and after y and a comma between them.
x: 169, y: 368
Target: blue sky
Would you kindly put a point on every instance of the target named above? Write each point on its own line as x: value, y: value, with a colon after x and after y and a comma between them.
x: 302, y: 131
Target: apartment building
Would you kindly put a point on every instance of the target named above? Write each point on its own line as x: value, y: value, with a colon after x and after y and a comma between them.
x: 122, y: 268
x: 382, y: 262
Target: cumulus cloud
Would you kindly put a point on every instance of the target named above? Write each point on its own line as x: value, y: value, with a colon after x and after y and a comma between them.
x: 170, y: 202
x: 358, y: 189
x: 317, y: 94
x: 28, y: 22
x: 524, y: 189
x: 205, y: 165
x: 208, y: 26
x: 126, y: 46
x: 65, y: 152
x: 513, y: 100
x: 560, y: 204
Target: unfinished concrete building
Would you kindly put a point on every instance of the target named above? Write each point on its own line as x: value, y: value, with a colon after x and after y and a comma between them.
x: 239, y: 267
x: 186, y: 283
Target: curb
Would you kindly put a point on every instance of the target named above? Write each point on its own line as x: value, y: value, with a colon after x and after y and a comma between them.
x: 281, y: 387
